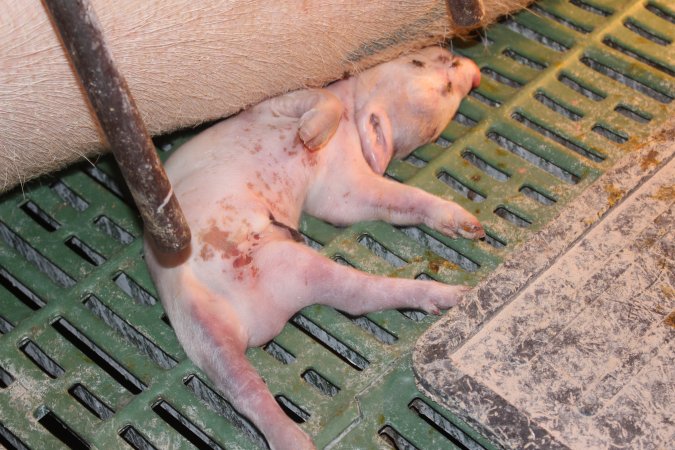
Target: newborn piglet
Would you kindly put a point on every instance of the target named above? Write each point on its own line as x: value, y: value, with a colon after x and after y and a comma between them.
x: 243, y: 184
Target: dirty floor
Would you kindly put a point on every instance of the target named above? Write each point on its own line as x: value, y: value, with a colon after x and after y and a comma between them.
x: 570, y: 343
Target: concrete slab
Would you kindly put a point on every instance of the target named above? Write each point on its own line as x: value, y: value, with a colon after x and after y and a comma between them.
x: 569, y: 344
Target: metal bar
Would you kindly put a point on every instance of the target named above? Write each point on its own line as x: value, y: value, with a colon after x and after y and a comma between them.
x: 111, y: 100
x: 465, y: 13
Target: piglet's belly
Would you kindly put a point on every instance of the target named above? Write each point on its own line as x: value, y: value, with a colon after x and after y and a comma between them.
x: 225, y: 190
x: 242, y: 285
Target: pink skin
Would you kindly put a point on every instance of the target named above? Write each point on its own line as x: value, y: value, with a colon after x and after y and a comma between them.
x: 244, y: 181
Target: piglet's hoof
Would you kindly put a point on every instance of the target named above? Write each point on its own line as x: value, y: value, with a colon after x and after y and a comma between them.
x: 470, y: 230
x: 443, y: 298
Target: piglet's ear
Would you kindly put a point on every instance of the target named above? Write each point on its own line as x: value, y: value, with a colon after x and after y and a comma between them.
x: 376, y: 139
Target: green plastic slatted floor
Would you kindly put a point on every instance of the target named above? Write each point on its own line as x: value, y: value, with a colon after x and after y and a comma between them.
x: 87, y: 358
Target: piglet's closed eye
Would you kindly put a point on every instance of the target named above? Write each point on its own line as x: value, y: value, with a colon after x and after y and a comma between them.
x: 376, y: 139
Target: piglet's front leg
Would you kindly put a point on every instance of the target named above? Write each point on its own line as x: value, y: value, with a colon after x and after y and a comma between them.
x: 376, y: 198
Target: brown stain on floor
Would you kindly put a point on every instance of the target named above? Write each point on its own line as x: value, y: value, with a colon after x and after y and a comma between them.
x: 435, y: 263
x: 649, y: 160
x: 670, y: 320
x: 668, y: 291
x: 614, y: 194
x: 665, y: 193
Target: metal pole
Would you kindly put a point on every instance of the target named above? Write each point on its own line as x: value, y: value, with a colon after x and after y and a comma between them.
x: 121, y: 122
x: 465, y: 13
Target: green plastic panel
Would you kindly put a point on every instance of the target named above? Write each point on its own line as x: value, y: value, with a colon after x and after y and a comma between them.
x: 88, y: 359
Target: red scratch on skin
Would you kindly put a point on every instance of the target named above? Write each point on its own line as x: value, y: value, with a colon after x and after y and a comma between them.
x: 257, y: 147
x: 242, y: 260
x: 345, y: 115
x: 311, y: 159
x: 262, y: 180
x: 308, y: 156
x: 276, y: 178
x: 206, y: 253
x: 225, y: 206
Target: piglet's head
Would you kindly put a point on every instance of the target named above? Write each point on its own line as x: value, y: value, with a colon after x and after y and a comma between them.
x: 407, y: 102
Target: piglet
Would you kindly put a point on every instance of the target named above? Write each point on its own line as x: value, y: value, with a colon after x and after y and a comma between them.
x: 243, y: 184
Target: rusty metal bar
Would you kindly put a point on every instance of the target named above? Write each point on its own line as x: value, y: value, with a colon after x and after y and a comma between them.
x: 111, y: 100
x: 465, y: 14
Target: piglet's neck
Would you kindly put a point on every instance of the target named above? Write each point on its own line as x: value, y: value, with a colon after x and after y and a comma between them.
x: 360, y: 92
x: 346, y: 91
x: 365, y: 108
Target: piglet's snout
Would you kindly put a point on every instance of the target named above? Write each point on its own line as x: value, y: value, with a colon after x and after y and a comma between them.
x: 464, y: 74
x: 476, y: 77
x: 471, y: 72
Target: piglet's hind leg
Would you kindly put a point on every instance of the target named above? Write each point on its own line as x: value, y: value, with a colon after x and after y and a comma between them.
x: 311, y: 278
x: 211, y: 339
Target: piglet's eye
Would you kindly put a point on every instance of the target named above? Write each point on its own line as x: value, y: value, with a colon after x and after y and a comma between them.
x: 448, y: 87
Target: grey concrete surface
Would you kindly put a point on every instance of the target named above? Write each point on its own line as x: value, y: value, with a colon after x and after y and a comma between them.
x: 569, y: 344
